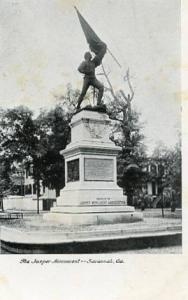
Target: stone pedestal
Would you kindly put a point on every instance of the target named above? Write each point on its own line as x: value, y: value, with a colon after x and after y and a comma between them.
x: 91, y: 194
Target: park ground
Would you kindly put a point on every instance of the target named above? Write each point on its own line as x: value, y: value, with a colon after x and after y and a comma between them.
x: 153, y: 223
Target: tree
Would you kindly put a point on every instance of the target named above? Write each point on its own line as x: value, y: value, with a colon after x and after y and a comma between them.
x: 169, y: 159
x: 18, y: 134
x: 36, y: 142
x: 5, y: 181
x: 174, y: 174
x: 126, y: 134
x: 55, y: 124
x: 21, y: 142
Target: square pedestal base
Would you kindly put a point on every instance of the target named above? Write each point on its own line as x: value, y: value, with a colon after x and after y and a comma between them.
x: 94, y: 218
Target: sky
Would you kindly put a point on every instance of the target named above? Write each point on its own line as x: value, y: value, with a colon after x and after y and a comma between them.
x: 42, y: 44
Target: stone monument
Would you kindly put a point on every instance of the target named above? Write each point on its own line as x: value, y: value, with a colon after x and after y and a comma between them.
x: 91, y: 194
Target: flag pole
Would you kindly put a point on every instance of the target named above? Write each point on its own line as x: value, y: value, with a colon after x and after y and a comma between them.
x: 79, y: 15
x: 114, y: 57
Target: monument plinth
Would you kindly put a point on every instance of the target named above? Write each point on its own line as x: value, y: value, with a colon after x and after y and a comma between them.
x: 91, y: 194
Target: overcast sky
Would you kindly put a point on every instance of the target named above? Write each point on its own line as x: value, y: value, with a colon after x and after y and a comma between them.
x: 42, y: 44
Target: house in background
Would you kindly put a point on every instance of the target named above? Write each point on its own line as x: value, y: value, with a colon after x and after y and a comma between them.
x: 24, y: 193
x: 153, y: 189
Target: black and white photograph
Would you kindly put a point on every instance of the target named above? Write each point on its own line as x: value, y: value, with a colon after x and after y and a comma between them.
x: 90, y: 127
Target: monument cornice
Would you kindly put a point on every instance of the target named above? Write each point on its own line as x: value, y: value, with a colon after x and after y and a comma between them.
x: 88, y: 120
x: 90, y: 149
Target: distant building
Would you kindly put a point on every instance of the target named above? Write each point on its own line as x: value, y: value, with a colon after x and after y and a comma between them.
x: 153, y: 187
x: 24, y: 193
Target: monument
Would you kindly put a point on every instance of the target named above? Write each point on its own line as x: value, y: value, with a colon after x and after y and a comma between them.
x: 91, y: 194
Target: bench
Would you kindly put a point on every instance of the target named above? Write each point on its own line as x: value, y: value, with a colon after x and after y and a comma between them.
x: 11, y: 215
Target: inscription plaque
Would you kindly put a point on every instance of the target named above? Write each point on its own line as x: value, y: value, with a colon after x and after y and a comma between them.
x: 106, y: 202
x: 73, y: 170
x: 96, y: 169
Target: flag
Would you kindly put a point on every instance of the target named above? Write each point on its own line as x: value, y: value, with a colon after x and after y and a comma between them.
x: 93, y: 40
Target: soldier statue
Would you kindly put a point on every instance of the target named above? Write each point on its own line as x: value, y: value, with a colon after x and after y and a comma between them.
x: 87, y: 67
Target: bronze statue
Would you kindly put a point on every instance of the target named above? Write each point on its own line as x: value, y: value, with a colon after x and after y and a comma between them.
x: 87, y: 67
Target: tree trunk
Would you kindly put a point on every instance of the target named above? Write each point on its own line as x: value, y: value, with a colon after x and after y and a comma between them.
x: 38, y: 193
x: 2, y: 207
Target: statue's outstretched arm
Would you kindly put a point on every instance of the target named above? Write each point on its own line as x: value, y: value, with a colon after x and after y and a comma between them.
x: 99, y: 56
